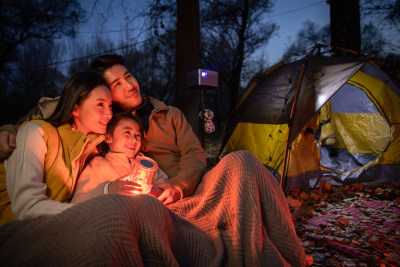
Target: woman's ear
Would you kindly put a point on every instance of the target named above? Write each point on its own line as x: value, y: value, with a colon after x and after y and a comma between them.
x: 75, y: 112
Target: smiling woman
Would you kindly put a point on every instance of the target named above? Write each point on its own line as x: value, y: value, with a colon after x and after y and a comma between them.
x: 42, y: 171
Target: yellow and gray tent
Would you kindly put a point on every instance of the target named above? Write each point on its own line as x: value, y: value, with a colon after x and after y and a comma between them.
x: 344, y: 127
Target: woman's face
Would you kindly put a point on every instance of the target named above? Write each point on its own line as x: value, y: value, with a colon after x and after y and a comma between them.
x: 125, y: 138
x: 93, y: 113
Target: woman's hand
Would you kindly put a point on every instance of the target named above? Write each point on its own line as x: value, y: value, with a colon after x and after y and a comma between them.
x: 170, y: 194
x: 124, y: 186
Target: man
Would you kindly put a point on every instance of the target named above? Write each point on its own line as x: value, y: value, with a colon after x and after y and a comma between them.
x: 169, y: 137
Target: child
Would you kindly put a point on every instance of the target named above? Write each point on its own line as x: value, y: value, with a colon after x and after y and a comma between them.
x: 110, y: 174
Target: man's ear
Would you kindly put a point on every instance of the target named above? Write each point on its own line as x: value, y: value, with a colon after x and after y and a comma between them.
x: 107, y: 138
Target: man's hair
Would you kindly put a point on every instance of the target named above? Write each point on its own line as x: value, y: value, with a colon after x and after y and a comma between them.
x: 76, y: 89
x: 101, y: 63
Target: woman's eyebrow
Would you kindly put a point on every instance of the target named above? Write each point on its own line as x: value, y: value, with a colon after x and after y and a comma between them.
x: 101, y: 99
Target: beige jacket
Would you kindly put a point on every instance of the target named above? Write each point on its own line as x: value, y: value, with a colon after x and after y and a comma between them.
x: 172, y: 143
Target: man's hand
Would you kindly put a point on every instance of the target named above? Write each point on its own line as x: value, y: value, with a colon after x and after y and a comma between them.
x: 170, y: 193
x: 7, y: 144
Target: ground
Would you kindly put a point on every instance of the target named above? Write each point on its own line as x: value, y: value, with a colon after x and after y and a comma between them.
x: 353, y: 225
x: 356, y: 225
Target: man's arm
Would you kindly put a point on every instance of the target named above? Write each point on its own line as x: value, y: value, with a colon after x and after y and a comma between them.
x: 192, y: 161
x: 42, y: 110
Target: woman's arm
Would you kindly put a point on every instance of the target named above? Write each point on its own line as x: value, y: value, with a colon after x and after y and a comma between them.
x: 24, y: 176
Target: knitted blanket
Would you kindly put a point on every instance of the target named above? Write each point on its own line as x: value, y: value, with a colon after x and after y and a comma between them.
x: 238, y: 216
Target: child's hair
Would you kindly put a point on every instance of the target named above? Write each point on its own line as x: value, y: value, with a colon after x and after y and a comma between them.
x: 112, y: 124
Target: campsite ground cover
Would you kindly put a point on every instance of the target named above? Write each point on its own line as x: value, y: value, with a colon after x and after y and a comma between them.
x: 353, y: 225
x: 356, y: 225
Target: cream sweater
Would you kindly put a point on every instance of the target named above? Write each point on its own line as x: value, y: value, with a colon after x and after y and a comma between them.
x: 101, y: 170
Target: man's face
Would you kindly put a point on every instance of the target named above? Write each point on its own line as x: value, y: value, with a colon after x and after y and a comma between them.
x: 125, y: 91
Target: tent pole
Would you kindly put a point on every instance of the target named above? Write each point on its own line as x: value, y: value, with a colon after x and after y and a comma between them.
x: 290, y: 123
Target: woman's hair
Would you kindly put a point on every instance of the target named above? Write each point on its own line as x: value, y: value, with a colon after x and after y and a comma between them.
x: 76, y: 90
x: 101, y: 63
x: 112, y: 124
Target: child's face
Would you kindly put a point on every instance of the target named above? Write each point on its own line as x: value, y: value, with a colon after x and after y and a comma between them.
x: 125, y: 138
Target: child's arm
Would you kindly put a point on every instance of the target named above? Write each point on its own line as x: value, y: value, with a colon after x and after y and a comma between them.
x: 99, y: 178
x: 92, y: 180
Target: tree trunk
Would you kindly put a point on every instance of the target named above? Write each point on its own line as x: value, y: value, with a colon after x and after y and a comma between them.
x: 238, y: 64
x: 345, y: 25
x: 187, y: 59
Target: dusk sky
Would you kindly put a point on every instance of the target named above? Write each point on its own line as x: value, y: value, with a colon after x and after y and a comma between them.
x: 288, y: 14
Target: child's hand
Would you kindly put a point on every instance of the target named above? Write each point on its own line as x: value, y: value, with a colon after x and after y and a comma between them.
x: 124, y: 187
x: 170, y: 193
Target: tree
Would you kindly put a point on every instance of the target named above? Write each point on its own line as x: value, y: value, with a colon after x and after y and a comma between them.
x: 345, y: 25
x: 187, y: 57
x: 377, y: 19
x: 308, y: 36
x: 83, y: 53
x: 373, y: 41
x: 33, y: 76
x: 383, y: 17
x: 21, y: 21
x: 28, y: 30
x: 231, y: 32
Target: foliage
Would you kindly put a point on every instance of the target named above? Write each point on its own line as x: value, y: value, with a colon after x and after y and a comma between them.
x: 231, y: 32
x: 153, y: 66
x: 153, y: 63
x: 382, y: 16
x: 28, y: 30
x: 21, y: 21
x: 309, y: 35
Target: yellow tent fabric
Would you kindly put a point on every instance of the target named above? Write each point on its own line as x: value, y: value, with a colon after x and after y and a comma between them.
x: 364, y: 137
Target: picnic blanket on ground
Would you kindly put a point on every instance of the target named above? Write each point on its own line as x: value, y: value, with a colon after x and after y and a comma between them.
x: 238, y: 216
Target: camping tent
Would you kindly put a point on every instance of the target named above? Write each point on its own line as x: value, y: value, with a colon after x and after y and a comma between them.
x: 344, y: 125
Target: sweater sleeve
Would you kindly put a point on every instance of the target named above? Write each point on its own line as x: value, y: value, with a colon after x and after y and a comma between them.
x: 24, y: 176
x: 91, y: 182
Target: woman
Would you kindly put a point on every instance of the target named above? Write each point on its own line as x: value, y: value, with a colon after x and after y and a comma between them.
x: 50, y: 154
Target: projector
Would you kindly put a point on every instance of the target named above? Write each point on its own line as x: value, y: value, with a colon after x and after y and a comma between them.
x: 202, y: 79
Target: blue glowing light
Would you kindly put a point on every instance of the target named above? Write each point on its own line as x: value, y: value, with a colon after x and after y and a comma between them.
x: 204, y: 74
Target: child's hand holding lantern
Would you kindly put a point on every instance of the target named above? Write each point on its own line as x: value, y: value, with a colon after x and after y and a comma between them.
x: 124, y: 186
